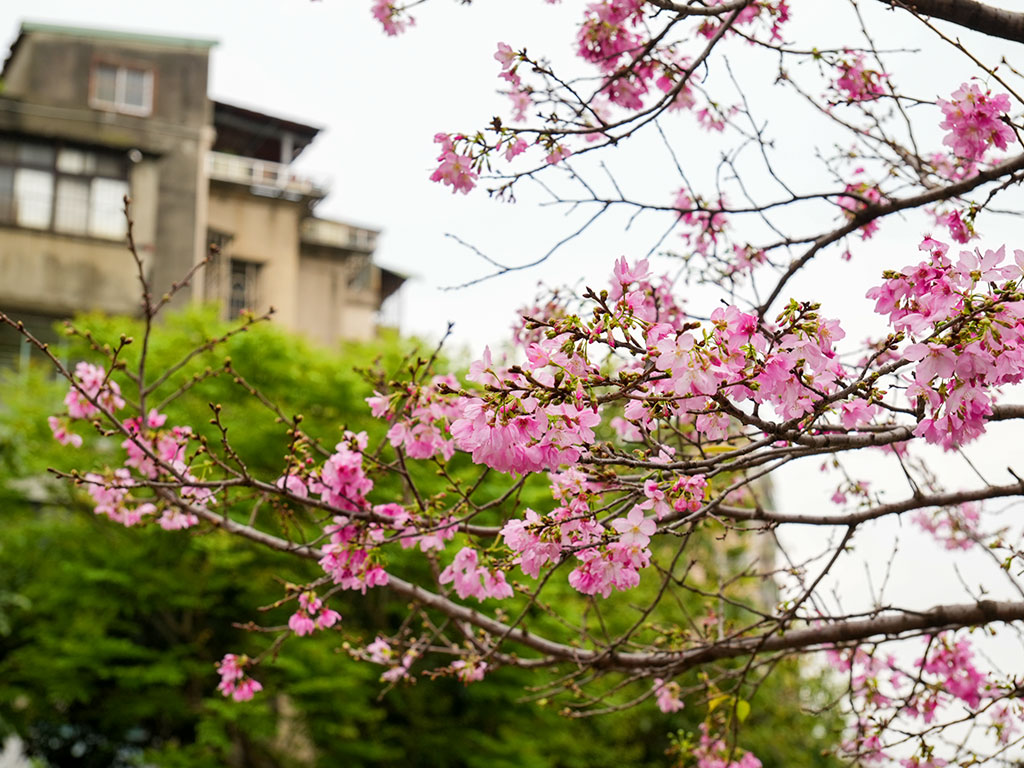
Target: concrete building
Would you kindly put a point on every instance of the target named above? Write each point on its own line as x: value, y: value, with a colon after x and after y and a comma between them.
x: 88, y: 116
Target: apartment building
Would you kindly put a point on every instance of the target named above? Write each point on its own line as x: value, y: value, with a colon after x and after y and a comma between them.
x: 88, y: 116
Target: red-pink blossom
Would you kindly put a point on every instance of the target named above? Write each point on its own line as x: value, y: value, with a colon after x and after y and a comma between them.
x: 858, y: 83
x: 233, y: 680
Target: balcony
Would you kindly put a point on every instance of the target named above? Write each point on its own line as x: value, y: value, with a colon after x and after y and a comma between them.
x: 263, y: 177
x: 338, y: 234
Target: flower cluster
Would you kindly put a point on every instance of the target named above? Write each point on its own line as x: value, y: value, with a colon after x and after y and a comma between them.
x: 112, y: 497
x: 858, y: 83
x: 668, y: 695
x: 381, y: 652
x: 607, y: 560
x: 703, y: 227
x: 518, y: 93
x: 953, y: 666
x: 469, y: 670
x: 975, y: 123
x: 715, y: 753
x: 954, y: 528
x: 393, y: 19
x: 456, y: 169
x: 234, y: 682
x: 945, y: 675
x: 429, y: 534
x: 60, y: 426
x: 613, y: 37
x: 771, y: 14
x: 151, y: 453
x: 959, y: 230
x: 470, y: 579
x: 343, y: 482
x: 421, y: 418
x: 968, y: 319
x: 607, y: 32
x: 518, y: 433
x: 859, y: 196
x: 530, y: 538
x: 312, y: 615
x: 348, y: 557
x: 92, y: 387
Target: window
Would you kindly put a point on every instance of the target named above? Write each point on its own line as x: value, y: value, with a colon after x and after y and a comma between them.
x: 65, y: 189
x: 243, y: 287
x: 15, y: 350
x: 122, y: 89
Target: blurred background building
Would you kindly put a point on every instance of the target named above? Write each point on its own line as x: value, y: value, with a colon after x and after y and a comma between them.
x: 88, y: 116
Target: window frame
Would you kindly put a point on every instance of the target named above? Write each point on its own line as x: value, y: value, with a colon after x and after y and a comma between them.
x: 250, y: 271
x: 119, y: 105
x: 116, y: 161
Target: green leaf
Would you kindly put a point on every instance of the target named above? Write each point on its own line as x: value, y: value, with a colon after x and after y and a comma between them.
x: 742, y: 709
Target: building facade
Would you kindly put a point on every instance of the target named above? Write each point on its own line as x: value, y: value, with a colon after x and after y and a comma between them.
x: 89, y: 116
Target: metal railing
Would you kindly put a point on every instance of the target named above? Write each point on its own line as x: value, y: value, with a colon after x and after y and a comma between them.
x: 338, y: 234
x: 263, y: 176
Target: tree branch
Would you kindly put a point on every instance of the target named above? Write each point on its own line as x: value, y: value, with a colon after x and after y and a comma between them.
x: 699, y: 10
x: 1008, y: 25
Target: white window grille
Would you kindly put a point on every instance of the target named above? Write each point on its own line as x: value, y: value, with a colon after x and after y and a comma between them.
x: 122, y: 89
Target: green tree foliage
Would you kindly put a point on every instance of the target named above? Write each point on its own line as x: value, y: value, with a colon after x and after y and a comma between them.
x: 108, y: 636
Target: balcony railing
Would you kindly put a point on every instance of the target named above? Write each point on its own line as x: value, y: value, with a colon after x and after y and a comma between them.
x: 338, y: 234
x: 264, y: 177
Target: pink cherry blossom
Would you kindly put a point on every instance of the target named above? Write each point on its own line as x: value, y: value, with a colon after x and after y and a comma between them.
x: 312, y: 615
x: 233, y: 680
x: 469, y: 671
x: 973, y: 119
x: 92, y: 385
x: 472, y: 580
x: 668, y: 695
x: 959, y: 230
x: 858, y: 83
x: 61, y: 429
x: 393, y: 19
x: 557, y: 154
x: 634, y: 529
x: 456, y: 169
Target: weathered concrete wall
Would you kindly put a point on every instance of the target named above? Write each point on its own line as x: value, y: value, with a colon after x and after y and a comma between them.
x: 47, y: 95
x: 266, y: 231
x: 56, y: 70
x: 145, y: 191
x: 359, y: 322
x: 334, y: 306
x: 59, y: 274
x: 322, y: 288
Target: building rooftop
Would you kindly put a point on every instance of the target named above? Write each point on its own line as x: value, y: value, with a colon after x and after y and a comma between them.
x: 242, y: 131
x: 116, y: 34
x: 30, y: 27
